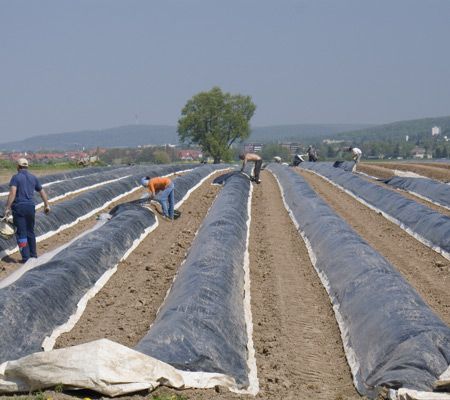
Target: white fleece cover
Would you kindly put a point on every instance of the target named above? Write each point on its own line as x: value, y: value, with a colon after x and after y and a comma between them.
x: 102, y: 365
x: 407, y: 174
x: 410, y: 394
x: 444, y: 380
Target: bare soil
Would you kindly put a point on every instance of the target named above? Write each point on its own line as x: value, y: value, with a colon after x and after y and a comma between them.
x: 428, y: 170
x: 443, y: 165
x: 375, y: 170
x: 426, y: 270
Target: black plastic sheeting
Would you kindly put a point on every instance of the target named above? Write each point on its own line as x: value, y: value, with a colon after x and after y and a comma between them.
x: 61, y: 176
x: 432, y: 227
x: 201, y: 325
x: 44, y: 297
x: 345, y: 165
x: 435, y: 191
x: 221, y: 179
x: 70, y: 185
x: 185, y: 183
x: 67, y: 212
x: 396, y: 338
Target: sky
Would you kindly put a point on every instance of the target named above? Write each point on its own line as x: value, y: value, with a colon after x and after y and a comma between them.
x: 68, y: 65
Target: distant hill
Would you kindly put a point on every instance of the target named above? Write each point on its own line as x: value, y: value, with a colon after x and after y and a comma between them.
x: 135, y: 135
x: 398, y: 130
x: 123, y: 136
x: 300, y: 132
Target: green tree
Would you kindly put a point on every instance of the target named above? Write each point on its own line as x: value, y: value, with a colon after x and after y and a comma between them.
x: 215, y: 120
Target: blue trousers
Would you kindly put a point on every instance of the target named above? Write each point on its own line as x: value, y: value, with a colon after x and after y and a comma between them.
x: 167, y: 200
x: 23, y: 219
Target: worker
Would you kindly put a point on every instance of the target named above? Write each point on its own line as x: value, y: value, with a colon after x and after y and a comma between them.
x: 298, y: 159
x: 245, y: 157
x: 356, y: 156
x: 21, y: 203
x: 312, y: 154
x: 162, y: 190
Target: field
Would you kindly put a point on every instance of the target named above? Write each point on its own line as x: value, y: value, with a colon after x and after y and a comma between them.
x: 298, y: 343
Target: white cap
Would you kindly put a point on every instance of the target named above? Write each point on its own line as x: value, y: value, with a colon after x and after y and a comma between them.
x: 144, y: 182
x: 22, y: 162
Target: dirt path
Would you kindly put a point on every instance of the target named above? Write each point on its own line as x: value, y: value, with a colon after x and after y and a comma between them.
x: 299, y: 350
x: 429, y: 171
x: 427, y: 271
x: 375, y: 170
x: 443, y: 165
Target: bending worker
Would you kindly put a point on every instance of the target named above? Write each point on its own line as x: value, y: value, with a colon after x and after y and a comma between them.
x: 356, y: 155
x: 258, y: 163
x: 312, y: 154
x: 21, y: 202
x: 298, y: 159
x: 162, y: 190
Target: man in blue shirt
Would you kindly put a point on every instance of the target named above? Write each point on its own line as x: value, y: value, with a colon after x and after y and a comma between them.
x: 21, y: 201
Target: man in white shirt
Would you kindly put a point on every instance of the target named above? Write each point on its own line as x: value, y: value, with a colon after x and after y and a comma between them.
x: 356, y: 155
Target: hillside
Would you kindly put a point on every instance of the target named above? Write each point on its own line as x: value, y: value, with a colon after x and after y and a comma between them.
x: 398, y: 130
x: 135, y: 135
x: 123, y: 136
x: 299, y: 132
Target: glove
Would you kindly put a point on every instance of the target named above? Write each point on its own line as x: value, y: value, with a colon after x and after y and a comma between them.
x: 7, y: 213
x: 47, y: 209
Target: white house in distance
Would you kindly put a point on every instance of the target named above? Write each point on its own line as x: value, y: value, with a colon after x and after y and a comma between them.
x: 435, y: 130
x: 420, y: 153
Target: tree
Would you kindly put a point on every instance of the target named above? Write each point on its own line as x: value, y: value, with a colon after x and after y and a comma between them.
x: 215, y: 120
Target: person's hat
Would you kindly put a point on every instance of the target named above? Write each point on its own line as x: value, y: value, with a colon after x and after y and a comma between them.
x: 22, y: 162
x: 144, y: 181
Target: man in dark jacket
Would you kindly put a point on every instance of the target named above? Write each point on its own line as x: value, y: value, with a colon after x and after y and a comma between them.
x: 21, y: 202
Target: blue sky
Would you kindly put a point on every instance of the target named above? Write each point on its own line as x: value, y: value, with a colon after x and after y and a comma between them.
x: 75, y: 64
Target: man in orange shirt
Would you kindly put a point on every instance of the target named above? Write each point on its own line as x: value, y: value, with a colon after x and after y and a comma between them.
x: 162, y: 190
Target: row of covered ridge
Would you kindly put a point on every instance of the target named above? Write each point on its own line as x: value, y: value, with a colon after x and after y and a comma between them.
x: 391, y: 337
